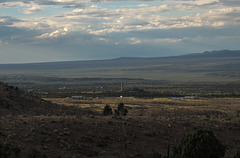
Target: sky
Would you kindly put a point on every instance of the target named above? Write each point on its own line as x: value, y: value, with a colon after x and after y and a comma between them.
x: 65, y: 30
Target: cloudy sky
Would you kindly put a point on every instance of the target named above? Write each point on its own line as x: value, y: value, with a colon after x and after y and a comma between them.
x: 58, y: 30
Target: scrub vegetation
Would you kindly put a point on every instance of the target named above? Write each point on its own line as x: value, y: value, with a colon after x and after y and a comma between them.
x: 153, y: 127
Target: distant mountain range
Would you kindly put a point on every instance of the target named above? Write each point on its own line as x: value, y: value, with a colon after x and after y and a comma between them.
x: 216, y: 66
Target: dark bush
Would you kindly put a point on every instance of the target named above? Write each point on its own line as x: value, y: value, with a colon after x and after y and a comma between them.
x: 117, y: 113
x: 237, y: 155
x: 121, y: 110
x: 87, y: 139
x: 33, y: 153
x: 120, y: 106
x: 4, y: 104
x: 156, y: 155
x: 202, y: 144
x: 107, y: 110
x: 8, y: 151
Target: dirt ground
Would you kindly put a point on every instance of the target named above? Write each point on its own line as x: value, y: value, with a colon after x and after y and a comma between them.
x: 150, y: 126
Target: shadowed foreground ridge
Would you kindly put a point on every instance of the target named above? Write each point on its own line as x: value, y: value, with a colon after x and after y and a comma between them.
x: 16, y: 102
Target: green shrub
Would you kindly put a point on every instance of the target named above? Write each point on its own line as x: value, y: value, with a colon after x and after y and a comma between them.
x: 107, y: 110
x: 202, y: 144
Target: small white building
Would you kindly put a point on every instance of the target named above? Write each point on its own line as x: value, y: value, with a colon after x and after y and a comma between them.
x: 177, y: 98
x: 77, y: 97
x: 191, y: 97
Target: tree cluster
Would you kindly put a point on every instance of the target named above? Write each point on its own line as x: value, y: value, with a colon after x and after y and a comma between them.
x: 120, y: 111
x: 202, y: 144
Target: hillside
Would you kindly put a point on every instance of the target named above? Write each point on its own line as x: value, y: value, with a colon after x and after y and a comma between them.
x: 150, y: 126
x: 16, y: 102
x: 208, y: 66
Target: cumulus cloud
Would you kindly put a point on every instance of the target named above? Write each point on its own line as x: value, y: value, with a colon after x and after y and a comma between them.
x: 2, y: 20
x: 80, y: 4
x: 134, y: 40
x: 42, y: 3
x: 171, y: 40
x: 2, y: 43
x: 7, y: 4
x: 7, y: 20
x: 141, y: 23
x: 103, y: 39
x: 33, y: 9
x: 98, y: 21
x: 54, y: 34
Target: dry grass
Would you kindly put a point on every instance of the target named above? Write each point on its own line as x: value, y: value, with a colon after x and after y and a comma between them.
x: 221, y: 107
x: 151, y: 125
x: 222, y: 115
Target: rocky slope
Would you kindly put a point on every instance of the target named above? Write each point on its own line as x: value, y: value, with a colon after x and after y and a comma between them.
x: 16, y: 102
